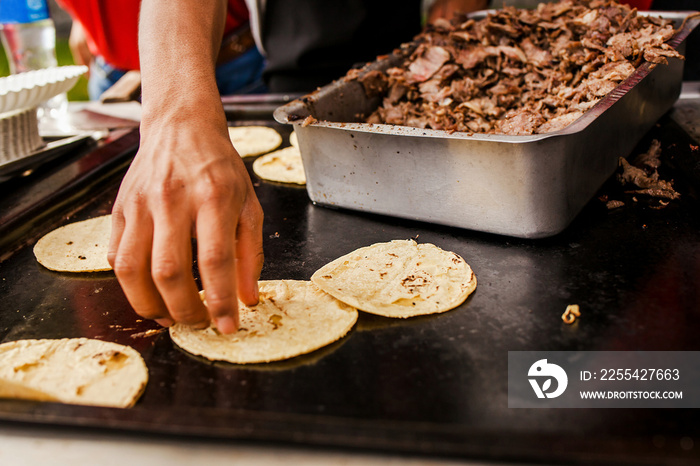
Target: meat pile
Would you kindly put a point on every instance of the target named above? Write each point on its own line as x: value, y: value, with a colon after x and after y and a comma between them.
x: 517, y: 71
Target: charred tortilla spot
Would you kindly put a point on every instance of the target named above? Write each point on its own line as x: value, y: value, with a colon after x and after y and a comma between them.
x: 26, y: 367
x: 276, y: 321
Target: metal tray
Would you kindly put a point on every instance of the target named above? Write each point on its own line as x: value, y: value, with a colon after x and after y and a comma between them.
x: 523, y: 186
x: 54, y: 148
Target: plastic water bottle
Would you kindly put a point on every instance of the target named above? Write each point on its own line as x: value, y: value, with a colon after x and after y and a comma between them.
x: 29, y: 38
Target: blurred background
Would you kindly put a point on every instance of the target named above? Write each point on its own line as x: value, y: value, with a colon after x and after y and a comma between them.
x: 63, y: 55
x: 79, y: 92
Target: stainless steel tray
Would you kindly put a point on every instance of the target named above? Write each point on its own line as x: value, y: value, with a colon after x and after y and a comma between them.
x: 523, y: 186
x: 54, y: 148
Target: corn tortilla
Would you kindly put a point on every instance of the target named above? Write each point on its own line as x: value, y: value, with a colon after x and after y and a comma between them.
x: 398, y: 279
x: 72, y: 370
x: 283, y: 166
x: 292, y: 318
x: 76, y: 247
x: 254, y: 140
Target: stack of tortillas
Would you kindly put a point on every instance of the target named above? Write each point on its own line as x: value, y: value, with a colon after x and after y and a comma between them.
x: 76, y: 247
x: 292, y: 318
x: 77, y: 371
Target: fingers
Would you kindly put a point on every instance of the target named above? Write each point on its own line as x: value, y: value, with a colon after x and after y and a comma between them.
x: 171, y: 268
x: 154, y: 269
x: 249, y: 252
x: 115, y: 236
x: 161, y: 205
x: 130, y: 256
x: 118, y: 225
x: 216, y: 234
x: 153, y: 260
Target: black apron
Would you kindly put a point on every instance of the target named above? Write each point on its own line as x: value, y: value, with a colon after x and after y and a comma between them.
x: 310, y: 43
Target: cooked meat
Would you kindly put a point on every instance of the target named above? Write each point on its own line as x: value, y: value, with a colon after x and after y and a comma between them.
x: 559, y: 122
x: 519, y: 122
x: 637, y: 177
x: 427, y: 63
x: 517, y: 71
x: 374, y: 83
x: 659, y: 54
x: 614, y: 204
x: 640, y: 177
x: 651, y: 158
x: 658, y: 193
x: 643, y: 176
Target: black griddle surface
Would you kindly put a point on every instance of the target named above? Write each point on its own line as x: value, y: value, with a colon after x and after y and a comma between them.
x: 431, y: 385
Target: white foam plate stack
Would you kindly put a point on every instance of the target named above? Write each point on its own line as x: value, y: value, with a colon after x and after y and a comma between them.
x: 20, y: 95
x: 19, y: 134
x: 26, y: 90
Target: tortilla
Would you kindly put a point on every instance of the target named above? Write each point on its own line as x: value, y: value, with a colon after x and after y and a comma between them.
x: 72, y: 370
x: 398, y: 279
x: 283, y: 166
x: 254, y: 140
x: 293, y: 140
x: 292, y: 318
x: 76, y: 247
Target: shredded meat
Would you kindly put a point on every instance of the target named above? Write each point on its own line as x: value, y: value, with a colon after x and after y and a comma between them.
x: 650, y: 159
x: 614, y: 204
x: 517, y: 71
x: 374, y: 83
x: 642, y: 176
x: 638, y: 178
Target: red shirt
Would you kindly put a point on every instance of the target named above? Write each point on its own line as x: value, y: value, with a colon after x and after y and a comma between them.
x: 111, y: 27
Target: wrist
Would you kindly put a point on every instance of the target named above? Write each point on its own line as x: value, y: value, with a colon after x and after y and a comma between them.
x: 177, y: 113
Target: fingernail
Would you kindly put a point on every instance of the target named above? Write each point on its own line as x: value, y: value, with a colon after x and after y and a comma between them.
x: 225, y: 324
x: 165, y: 322
x: 256, y: 293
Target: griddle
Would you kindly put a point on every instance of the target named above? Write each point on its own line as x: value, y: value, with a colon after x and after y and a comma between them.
x: 434, y: 385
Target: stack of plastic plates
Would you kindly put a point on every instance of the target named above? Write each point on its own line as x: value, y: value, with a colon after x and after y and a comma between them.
x: 20, y: 94
x: 19, y: 134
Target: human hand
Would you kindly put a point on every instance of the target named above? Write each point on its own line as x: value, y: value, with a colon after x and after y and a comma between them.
x: 78, y: 45
x: 187, y: 181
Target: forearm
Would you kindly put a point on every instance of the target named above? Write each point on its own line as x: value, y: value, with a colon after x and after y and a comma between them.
x: 178, y: 44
